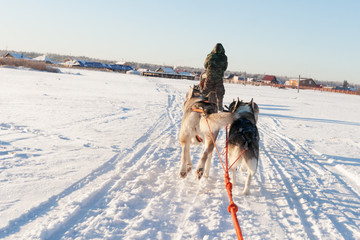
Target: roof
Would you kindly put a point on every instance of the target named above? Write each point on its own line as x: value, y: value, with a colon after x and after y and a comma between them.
x: 166, y: 70
x: 301, y: 79
x: 134, y: 72
x: 43, y: 58
x: 143, y: 70
x: 229, y: 76
x: 82, y: 63
x: 184, y: 73
x: 269, y: 78
x: 17, y: 56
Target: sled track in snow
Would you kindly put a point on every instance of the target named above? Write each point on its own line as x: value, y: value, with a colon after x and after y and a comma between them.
x: 137, y: 192
x: 127, y: 168
x: 86, y: 194
x: 301, y: 175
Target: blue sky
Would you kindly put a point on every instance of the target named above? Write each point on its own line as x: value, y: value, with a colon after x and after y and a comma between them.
x: 313, y: 38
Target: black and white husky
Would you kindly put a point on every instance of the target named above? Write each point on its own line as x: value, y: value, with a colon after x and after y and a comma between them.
x: 194, y: 129
x: 244, y: 135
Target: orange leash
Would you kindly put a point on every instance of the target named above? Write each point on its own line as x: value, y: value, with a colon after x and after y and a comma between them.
x: 232, y: 208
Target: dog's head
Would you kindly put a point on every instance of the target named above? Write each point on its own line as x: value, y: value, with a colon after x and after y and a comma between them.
x: 199, y: 101
x: 194, y: 91
x: 244, y: 107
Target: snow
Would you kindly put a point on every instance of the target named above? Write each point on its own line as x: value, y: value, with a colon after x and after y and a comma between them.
x: 95, y: 155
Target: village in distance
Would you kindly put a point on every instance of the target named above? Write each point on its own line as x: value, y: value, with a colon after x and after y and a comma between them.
x: 50, y: 62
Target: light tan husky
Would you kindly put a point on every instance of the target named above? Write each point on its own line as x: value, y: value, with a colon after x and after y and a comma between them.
x: 194, y: 129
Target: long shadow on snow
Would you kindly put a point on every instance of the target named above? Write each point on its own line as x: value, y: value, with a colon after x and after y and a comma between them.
x: 311, y: 119
x: 274, y: 107
x: 342, y: 160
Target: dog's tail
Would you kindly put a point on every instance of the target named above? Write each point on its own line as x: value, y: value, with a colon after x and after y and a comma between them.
x: 216, y: 121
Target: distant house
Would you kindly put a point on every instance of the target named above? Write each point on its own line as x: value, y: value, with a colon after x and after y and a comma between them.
x: 141, y: 70
x: 228, y: 77
x: 133, y: 72
x: 44, y: 58
x: 72, y: 62
x: 270, y: 79
x: 345, y: 88
x: 118, y: 67
x: 238, y: 78
x: 17, y: 56
x: 98, y: 65
x: 167, y: 70
x: 184, y: 73
x: 304, y: 82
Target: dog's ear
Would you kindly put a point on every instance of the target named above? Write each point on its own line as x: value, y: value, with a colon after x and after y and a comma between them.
x: 236, y: 105
x: 251, y: 103
x: 190, y: 93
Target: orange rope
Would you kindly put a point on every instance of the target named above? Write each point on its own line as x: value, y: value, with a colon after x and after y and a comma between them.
x: 237, y: 159
x: 232, y: 208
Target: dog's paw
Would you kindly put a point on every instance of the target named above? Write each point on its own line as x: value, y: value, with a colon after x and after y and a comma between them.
x: 199, y: 173
x: 246, y: 192
x: 183, y: 174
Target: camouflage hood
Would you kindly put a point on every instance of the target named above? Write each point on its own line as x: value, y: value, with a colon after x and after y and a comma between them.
x: 216, y: 61
x: 219, y: 49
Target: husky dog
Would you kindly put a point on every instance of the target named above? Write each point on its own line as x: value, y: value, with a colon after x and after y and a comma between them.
x: 244, y: 135
x: 195, y: 128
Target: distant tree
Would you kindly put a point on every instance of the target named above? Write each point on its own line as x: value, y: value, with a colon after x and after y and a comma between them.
x: 345, y: 84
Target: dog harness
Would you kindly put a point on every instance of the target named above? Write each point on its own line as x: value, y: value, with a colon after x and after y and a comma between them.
x: 244, y: 130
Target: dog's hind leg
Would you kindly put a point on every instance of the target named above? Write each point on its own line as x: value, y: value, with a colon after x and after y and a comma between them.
x: 186, y: 165
x: 247, y: 184
x: 233, y: 171
x: 209, y: 146
x: 234, y: 153
x: 251, y: 166
x: 207, y: 166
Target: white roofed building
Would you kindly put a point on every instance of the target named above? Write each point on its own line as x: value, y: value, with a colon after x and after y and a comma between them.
x: 44, y: 58
x: 167, y: 70
x: 17, y: 56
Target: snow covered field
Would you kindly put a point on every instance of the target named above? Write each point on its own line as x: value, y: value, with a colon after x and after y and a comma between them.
x: 95, y: 155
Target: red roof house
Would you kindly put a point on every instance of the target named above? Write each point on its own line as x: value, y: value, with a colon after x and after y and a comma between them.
x: 268, y: 79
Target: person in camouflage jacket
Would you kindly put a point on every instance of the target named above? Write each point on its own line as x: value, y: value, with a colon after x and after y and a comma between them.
x: 215, y: 65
